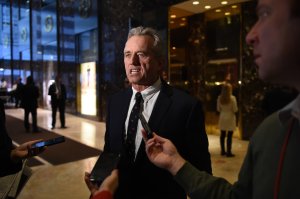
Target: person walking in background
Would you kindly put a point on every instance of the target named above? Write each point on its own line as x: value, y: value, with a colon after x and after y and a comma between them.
x: 227, y: 106
x: 29, y: 102
x: 18, y: 92
x: 57, y: 91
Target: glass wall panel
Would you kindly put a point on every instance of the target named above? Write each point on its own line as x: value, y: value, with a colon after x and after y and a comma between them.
x: 88, y: 53
x: 22, y: 38
x: 67, y: 51
x: 47, y: 46
x: 5, y: 55
x: 87, y: 45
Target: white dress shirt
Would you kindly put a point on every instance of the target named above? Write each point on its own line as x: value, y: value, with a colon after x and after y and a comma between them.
x: 149, y: 96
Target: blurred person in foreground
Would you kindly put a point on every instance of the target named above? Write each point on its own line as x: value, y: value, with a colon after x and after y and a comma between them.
x: 271, y: 166
x: 11, y: 157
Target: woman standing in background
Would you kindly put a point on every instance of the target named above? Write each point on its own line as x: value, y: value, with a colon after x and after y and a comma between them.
x: 227, y: 106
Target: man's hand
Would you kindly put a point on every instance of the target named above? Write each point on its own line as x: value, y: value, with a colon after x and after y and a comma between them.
x: 163, y: 153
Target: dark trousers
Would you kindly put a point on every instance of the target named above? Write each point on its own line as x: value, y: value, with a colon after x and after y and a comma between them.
x: 61, y: 108
x: 229, y: 141
x: 17, y: 101
x: 33, y: 116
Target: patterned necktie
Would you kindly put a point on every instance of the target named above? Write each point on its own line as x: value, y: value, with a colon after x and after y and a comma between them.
x: 132, y: 126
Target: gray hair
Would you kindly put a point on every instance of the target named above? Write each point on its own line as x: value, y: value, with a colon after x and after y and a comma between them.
x: 157, y: 44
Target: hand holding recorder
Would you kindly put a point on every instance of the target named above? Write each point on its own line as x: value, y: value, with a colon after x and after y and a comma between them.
x: 33, y: 148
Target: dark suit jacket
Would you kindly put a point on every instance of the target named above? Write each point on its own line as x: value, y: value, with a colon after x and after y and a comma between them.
x: 30, y: 95
x: 176, y: 116
x: 6, y: 166
x: 52, y: 93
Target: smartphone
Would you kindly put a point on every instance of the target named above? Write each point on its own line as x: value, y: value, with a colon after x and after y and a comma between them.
x: 105, y: 164
x: 146, y: 126
x: 49, y: 142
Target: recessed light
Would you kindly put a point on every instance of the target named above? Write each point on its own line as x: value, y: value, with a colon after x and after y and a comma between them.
x: 218, y: 10
x: 227, y: 13
x: 224, y: 2
x: 174, y: 48
x: 195, y: 2
x: 172, y: 22
x: 234, y: 6
x: 183, y: 19
x: 207, y: 7
x: 173, y: 16
x: 182, y: 24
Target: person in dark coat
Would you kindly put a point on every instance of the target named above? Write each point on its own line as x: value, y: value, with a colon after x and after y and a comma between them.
x: 18, y: 92
x: 169, y: 112
x: 57, y: 91
x: 30, y: 94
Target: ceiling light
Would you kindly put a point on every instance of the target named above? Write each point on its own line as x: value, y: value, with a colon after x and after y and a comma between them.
x: 207, y: 7
x: 224, y: 2
x: 227, y: 13
x: 234, y: 6
x: 195, y: 2
x: 183, y: 19
x: 174, y: 48
x: 182, y: 24
x: 172, y: 22
x: 173, y: 16
x: 218, y: 10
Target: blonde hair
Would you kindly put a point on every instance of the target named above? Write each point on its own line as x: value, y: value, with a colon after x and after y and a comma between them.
x: 226, y: 93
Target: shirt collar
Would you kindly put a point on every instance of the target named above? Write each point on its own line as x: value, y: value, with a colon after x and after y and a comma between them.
x: 291, y: 110
x: 149, y: 92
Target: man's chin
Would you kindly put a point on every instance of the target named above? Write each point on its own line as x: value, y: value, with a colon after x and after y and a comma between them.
x: 272, y: 78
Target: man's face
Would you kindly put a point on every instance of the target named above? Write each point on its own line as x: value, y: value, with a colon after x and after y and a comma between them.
x: 141, y: 65
x: 275, y: 40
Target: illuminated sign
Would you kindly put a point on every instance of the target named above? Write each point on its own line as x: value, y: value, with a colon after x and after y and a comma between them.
x: 88, y: 88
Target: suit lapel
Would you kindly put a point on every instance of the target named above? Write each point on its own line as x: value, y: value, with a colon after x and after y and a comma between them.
x: 160, y: 109
x: 161, y: 106
x: 125, y: 105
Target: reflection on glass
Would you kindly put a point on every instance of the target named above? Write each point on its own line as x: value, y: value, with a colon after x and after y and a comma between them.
x: 88, y: 134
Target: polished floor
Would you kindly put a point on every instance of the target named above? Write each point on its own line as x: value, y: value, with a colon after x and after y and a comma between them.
x: 66, y: 180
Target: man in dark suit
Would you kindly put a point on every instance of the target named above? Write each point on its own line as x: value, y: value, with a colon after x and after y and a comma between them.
x: 170, y: 112
x: 57, y: 91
